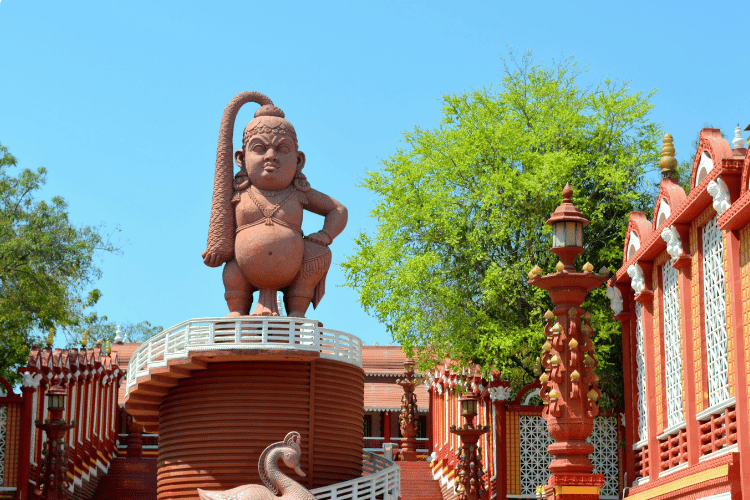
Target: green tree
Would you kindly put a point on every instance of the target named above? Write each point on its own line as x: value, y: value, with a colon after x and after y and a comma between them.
x: 461, y: 211
x: 100, y: 328
x: 46, y: 264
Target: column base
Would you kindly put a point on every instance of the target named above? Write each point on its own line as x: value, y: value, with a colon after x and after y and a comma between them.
x: 573, y: 486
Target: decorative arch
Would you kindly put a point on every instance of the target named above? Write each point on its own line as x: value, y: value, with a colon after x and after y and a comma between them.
x: 529, y: 389
x: 5, y: 388
x: 671, y: 196
x: 712, y: 149
x: 639, y: 230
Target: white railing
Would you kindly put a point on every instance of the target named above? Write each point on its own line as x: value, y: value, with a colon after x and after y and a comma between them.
x: 381, y: 480
x: 242, y: 333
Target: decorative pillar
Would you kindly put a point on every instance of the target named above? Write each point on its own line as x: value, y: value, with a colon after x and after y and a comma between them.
x: 469, y: 470
x: 386, y: 427
x: 52, y: 482
x: 28, y: 389
x: 569, y: 386
x: 499, y: 394
x: 408, y: 417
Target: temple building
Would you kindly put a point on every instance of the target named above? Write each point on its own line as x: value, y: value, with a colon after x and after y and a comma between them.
x: 682, y: 295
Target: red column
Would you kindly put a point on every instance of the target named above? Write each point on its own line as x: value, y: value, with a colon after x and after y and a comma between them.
x: 501, y: 469
x: 387, y: 427
x: 737, y: 337
x: 28, y: 392
x: 629, y: 385
x: 430, y: 426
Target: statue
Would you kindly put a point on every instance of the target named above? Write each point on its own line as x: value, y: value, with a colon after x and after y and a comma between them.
x: 256, y: 217
x: 278, y: 485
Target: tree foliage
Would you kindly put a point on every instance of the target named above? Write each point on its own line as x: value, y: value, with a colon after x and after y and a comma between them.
x: 100, y: 329
x: 461, y: 211
x: 46, y: 264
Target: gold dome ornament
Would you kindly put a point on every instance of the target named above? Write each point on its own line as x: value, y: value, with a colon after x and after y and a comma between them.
x: 556, y: 328
x: 544, y: 378
x: 549, y: 315
x: 668, y: 163
x: 51, y: 337
x: 560, y: 266
x: 588, y: 267
x: 547, y: 347
x: 573, y: 344
x: 575, y: 376
x: 592, y: 395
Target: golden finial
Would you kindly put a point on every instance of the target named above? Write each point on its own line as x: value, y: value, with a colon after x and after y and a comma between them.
x: 588, y: 267
x: 547, y: 347
x: 556, y: 328
x: 554, y: 360
x: 549, y: 315
x: 572, y: 312
x: 596, y: 378
x: 554, y: 395
x: 560, y: 266
x: 588, y: 361
x: 604, y: 271
x: 587, y: 316
x: 108, y: 348
x: 535, y: 271
x: 575, y: 376
x: 537, y: 367
x: 573, y: 344
x: 544, y: 378
x: 586, y: 329
x: 668, y: 163
x: 51, y: 337
x: 593, y: 395
x: 85, y: 339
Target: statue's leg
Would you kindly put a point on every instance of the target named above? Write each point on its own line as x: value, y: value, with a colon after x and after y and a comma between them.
x: 309, y: 285
x: 237, y: 290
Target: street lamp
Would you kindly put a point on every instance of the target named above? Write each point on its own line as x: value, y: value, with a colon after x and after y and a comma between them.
x: 53, y: 481
x: 469, y: 483
x: 569, y: 386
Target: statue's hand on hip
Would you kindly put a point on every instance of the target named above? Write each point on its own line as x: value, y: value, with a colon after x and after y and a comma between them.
x: 321, y: 238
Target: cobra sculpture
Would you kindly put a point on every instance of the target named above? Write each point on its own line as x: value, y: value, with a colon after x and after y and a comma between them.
x: 278, y: 484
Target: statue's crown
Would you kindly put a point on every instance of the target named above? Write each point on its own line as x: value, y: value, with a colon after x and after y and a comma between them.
x: 269, y: 119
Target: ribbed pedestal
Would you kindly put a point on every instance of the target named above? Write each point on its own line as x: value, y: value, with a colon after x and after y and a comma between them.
x: 214, y: 424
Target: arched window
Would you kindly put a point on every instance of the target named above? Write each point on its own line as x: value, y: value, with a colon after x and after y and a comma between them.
x: 704, y: 167
x: 672, y: 350
x: 664, y: 212
x: 715, y: 313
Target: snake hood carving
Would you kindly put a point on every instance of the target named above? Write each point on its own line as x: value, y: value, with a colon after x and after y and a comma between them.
x: 278, y: 484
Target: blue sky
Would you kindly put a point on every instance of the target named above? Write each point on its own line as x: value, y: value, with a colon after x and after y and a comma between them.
x: 121, y: 102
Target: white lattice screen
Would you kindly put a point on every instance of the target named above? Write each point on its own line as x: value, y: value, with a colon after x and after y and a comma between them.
x: 640, y: 380
x: 3, y: 419
x: 672, y: 351
x: 715, y: 313
x: 604, y: 458
x: 534, y: 440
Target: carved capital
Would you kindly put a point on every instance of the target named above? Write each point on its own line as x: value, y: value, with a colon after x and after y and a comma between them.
x: 637, y: 279
x: 615, y: 299
x: 720, y: 193
x: 31, y: 379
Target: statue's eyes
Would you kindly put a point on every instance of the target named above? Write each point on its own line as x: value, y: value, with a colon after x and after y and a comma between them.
x: 284, y: 149
x: 259, y: 148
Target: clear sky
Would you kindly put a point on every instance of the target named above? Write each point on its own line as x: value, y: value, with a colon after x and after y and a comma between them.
x: 121, y: 102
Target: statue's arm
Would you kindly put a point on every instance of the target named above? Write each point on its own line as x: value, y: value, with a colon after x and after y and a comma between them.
x: 335, y: 215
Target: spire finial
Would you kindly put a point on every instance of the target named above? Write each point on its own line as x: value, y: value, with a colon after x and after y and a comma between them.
x: 738, y: 141
x: 108, y: 348
x: 51, y: 337
x: 567, y: 193
x: 668, y: 163
x: 85, y: 339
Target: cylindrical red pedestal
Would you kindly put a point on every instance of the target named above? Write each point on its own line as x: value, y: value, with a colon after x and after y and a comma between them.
x: 214, y: 424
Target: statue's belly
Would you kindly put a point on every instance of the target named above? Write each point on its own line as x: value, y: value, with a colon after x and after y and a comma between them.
x: 269, y: 256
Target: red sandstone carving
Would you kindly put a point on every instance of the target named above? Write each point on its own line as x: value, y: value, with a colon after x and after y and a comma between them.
x: 278, y: 484
x: 256, y: 218
x: 408, y: 416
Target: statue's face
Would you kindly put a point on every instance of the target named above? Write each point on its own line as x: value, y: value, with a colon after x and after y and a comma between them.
x: 271, y: 160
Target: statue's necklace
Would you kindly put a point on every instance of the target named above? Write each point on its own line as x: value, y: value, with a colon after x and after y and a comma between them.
x: 269, y: 212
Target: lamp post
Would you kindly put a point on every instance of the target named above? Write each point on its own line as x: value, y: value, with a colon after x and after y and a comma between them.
x: 469, y: 471
x: 569, y: 385
x: 52, y: 481
x: 408, y: 416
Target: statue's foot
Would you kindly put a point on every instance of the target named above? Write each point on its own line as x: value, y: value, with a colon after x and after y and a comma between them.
x: 234, y: 314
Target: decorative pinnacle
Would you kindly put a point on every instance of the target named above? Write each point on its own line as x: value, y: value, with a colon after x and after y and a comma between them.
x: 547, y: 347
x: 85, y: 339
x: 108, y: 348
x: 560, y: 266
x: 588, y: 267
x: 587, y: 316
x: 592, y: 395
x: 575, y: 376
x: 573, y: 344
x: 51, y: 337
x: 604, y: 271
x: 556, y: 328
x: 554, y: 395
x: 738, y: 141
x: 668, y: 163
x: 572, y: 312
x: 549, y: 315
x: 544, y: 378
x: 535, y: 271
